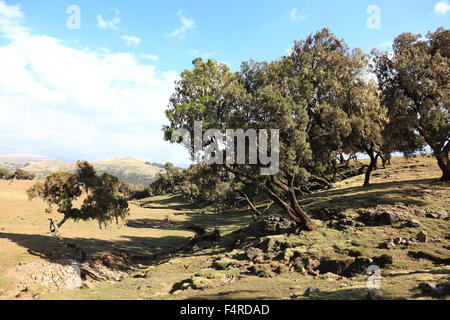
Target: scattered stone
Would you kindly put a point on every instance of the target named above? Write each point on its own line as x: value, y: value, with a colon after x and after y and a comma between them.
x: 271, y: 225
x: 413, y: 223
x: 254, y: 254
x: 342, y: 222
x: 385, y: 215
x: 435, y: 214
x: 422, y: 236
x: 388, y: 244
x: 337, y: 266
x: 268, y: 245
x: 359, y: 266
x: 438, y: 289
x: 311, y: 291
x: 382, y: 260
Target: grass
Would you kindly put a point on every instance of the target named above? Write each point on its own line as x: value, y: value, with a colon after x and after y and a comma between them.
x: 24, y: 238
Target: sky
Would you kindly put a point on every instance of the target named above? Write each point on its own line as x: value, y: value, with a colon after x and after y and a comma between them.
x: 91, y: 79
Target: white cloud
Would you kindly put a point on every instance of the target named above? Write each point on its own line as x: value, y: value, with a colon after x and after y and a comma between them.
x: 152, y: 57
x: 112, y: 24
x: 186, y: 24
x: 131, y: 41
x: 59, y: 100
x: 295, y: 15
x: 441, y: 8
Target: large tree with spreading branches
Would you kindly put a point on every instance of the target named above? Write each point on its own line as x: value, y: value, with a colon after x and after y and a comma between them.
x: 302, y: 95
x: 414, y: 80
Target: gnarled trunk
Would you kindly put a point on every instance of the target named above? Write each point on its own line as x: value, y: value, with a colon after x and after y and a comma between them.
x: 372, y: 166
x: 54, y: 230
x: 444, y: 164
x: 294, y: 211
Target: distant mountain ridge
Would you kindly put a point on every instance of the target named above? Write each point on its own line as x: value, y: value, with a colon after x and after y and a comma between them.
x: 129, y: 170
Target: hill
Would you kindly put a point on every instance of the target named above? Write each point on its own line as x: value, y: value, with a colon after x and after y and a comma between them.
x: 278, y: 266
x: 129, y: 170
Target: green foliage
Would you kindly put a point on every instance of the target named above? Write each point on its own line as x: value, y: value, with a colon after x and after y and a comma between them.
x: 19, y: 174
x: 414, y: 80
x: 4, y: 174
x: 104, y: 201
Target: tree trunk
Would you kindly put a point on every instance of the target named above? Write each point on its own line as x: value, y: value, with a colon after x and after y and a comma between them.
x: 444, y: 164
x: 372, y: 166
x: 54, y: 230
x: 255, y: 212
x: 301, y: 217
x: 295, y: 212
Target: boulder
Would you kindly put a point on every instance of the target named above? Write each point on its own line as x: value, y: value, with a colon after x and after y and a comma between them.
x: 413, y: 223
x: 271, y: 225
x: 382, y: 260
x: 422, y: 236
x: 337, y: 266
x: 254, y: 254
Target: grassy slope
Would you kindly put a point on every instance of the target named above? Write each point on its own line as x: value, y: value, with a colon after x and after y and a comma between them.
x: 126, y: 169
x: 23, y: 238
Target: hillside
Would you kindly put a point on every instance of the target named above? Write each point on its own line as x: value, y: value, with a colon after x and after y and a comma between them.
x: 309, y: 265
x: 129, y: 170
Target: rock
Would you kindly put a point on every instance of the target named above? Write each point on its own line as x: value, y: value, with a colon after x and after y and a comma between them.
x: 359, y: 266
x: 385, y: 215
x: 426, y: 287
x: 310, y: 264
x: 388, y: 244
x: 422, y: 236
x: 271, y: 225
x: 254, y: 253
x: 439, y: 289
x: 311, y: 291
x: 382, y: 260
x: 268, y: 245
x: 434, y: 214
x: 371, y: 295
x: 337, y: 266
x: 413, y: 223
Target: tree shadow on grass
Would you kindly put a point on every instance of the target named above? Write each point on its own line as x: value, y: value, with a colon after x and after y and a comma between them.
x: 49, y: 248
x: 361, y: 197
x: 207, y: 221
x: 174, y: 202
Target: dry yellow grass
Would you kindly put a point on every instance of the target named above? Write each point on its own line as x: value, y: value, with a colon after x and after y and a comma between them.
x: 24, y: 238
x: 130, y: 170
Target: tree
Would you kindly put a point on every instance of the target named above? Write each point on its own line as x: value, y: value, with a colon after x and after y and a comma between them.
x: 212, y: 94
x: 61, y: 189
x: 21, y: 174
x: 4, y: 174
x: 368, y: 120
x: 318, y: 97
x: 414, y: 80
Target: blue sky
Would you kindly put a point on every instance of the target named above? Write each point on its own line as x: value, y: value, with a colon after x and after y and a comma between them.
x: 100, y: 91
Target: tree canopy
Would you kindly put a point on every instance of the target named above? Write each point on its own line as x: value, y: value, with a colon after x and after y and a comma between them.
x: 414, y: 81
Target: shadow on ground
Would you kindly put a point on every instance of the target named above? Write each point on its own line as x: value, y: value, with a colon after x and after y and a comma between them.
x: 361, y: 197
x: 49, y: 248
